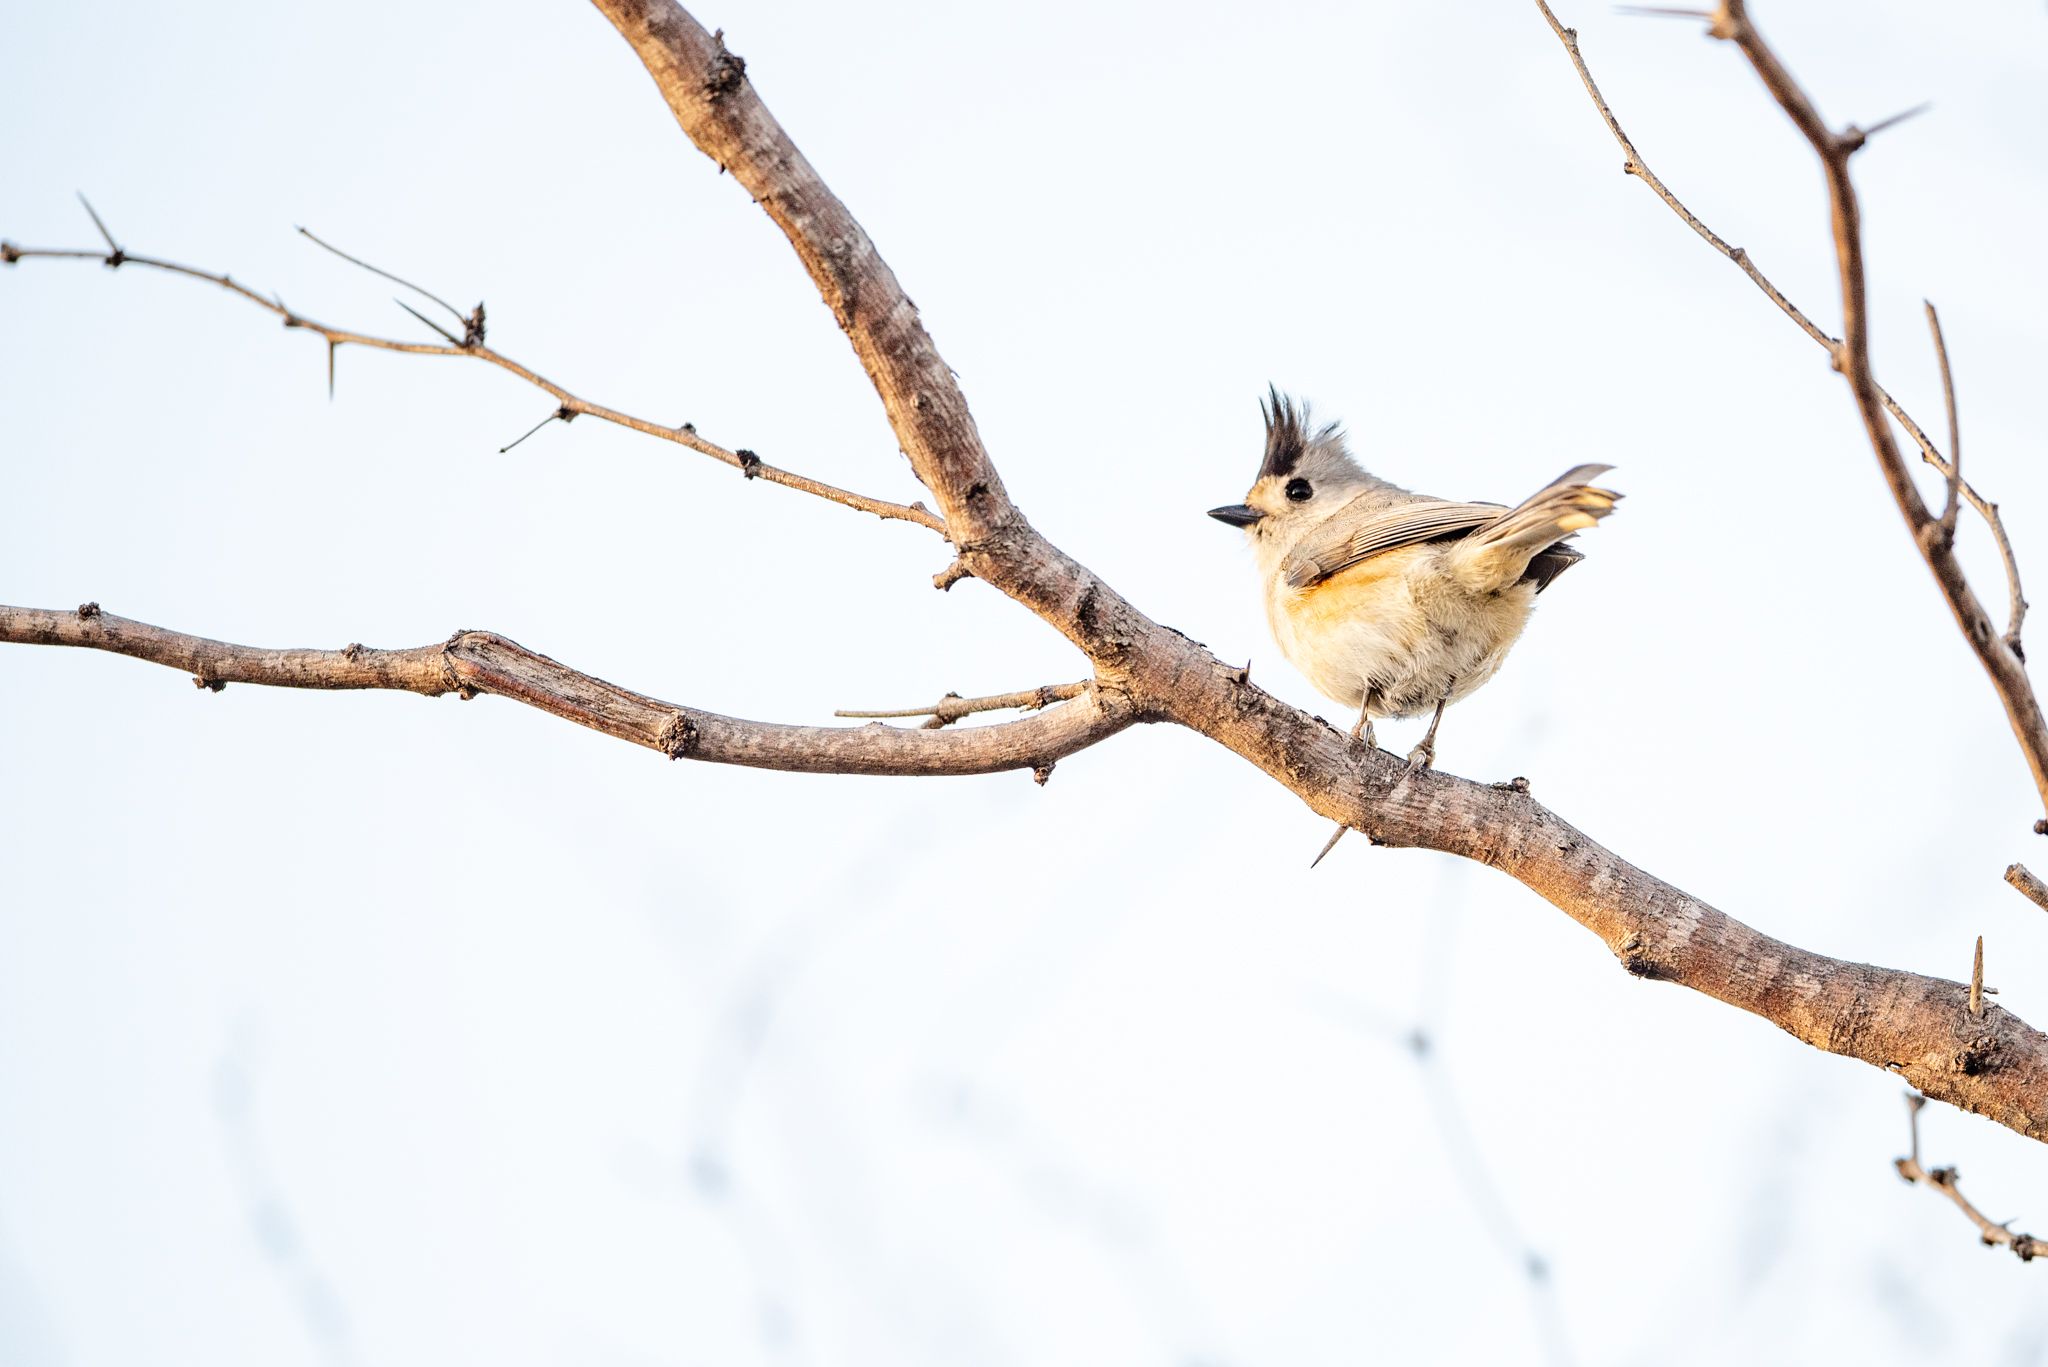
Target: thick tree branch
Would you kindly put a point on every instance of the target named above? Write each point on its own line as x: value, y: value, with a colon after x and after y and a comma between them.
x: 706, y: 88
x: 746, y: 462
x: 1944, y: 1180
x: 473, y: 662
x: 1915, y: 1026
x: 1635, y: 165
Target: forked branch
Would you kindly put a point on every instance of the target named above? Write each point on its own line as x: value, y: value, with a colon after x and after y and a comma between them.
x: 473, y: 662
x: 2002, y: 657
x: 1945, y: 1180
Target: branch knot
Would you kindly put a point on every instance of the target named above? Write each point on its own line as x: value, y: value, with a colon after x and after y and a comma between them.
x: 728, y: 71
x: 678, y: 738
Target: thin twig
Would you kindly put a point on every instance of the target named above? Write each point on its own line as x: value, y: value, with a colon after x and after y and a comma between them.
x: 953, y: 707
x: 116, y: 256
x: 1865, y: 134
x: 1950, y: 505
x: 1992, y: 1232
x: 2021, y: 877
x: 686, y: 435
x: 1852, y: 358
x: 560, y: 414
x: 452, y: 339
x: 316, y: 240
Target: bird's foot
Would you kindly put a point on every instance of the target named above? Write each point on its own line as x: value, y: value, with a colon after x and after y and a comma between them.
x: 1421, y: 757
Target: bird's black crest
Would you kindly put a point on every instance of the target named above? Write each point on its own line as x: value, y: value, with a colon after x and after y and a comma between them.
x: 1288, y: 435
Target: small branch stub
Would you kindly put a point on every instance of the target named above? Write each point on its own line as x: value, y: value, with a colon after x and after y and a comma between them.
x: 2035, y: 891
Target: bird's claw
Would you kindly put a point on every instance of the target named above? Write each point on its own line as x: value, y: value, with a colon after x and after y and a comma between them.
x: 1421, y: 757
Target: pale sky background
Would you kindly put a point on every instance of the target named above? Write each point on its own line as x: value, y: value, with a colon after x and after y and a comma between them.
x: 363, y: 1029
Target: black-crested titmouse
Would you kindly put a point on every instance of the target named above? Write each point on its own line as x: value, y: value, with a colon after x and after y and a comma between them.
x: 1391, y: 602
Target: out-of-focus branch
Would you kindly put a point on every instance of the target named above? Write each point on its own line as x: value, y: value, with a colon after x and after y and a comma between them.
x: 953, y: 707
x: 2007, y: 675
x: 471, y: 345
x: 1992, y: 1232
x: 473, y: 662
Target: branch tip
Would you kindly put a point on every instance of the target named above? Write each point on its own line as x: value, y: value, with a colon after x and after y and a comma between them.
x: 315, y: 239
x: 2032, y: 888
x: 1952, y: 504
x: 448, y: 336
x: 560, y: 415
x: 1863, y: 135
x: 115, y: 255
x: 1977, y: 980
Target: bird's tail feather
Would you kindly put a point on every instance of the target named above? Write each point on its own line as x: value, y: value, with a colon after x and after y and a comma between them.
x: 1498, y: 553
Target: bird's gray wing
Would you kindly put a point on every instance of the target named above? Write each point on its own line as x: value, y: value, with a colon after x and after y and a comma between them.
x: 1358, y: 532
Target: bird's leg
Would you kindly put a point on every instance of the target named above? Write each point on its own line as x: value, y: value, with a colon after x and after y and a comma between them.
x: 1424, y: 755
x: 1362, y: 728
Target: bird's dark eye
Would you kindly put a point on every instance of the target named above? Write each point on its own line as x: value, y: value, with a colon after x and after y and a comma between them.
x: 1298, y: 490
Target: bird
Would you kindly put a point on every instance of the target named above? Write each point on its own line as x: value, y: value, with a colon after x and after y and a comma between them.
x: 1395, y: 603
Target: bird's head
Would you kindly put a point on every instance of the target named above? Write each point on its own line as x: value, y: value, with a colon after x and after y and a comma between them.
x: 1306, y: 474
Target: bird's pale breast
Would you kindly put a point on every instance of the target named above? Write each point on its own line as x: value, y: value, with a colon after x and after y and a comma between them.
x: 1397, y: 625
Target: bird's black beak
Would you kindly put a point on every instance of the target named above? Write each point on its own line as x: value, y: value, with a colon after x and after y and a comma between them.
x: 1237, y: 514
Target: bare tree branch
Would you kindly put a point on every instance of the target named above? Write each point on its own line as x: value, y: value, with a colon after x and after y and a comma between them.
x: 473, y: 662
x: 953, y: 707
x: 1852, y: 357
x: 1943, y: 1180
x: 1918, y: 1027
x: 746, y: 462
x: 1634, y: 165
